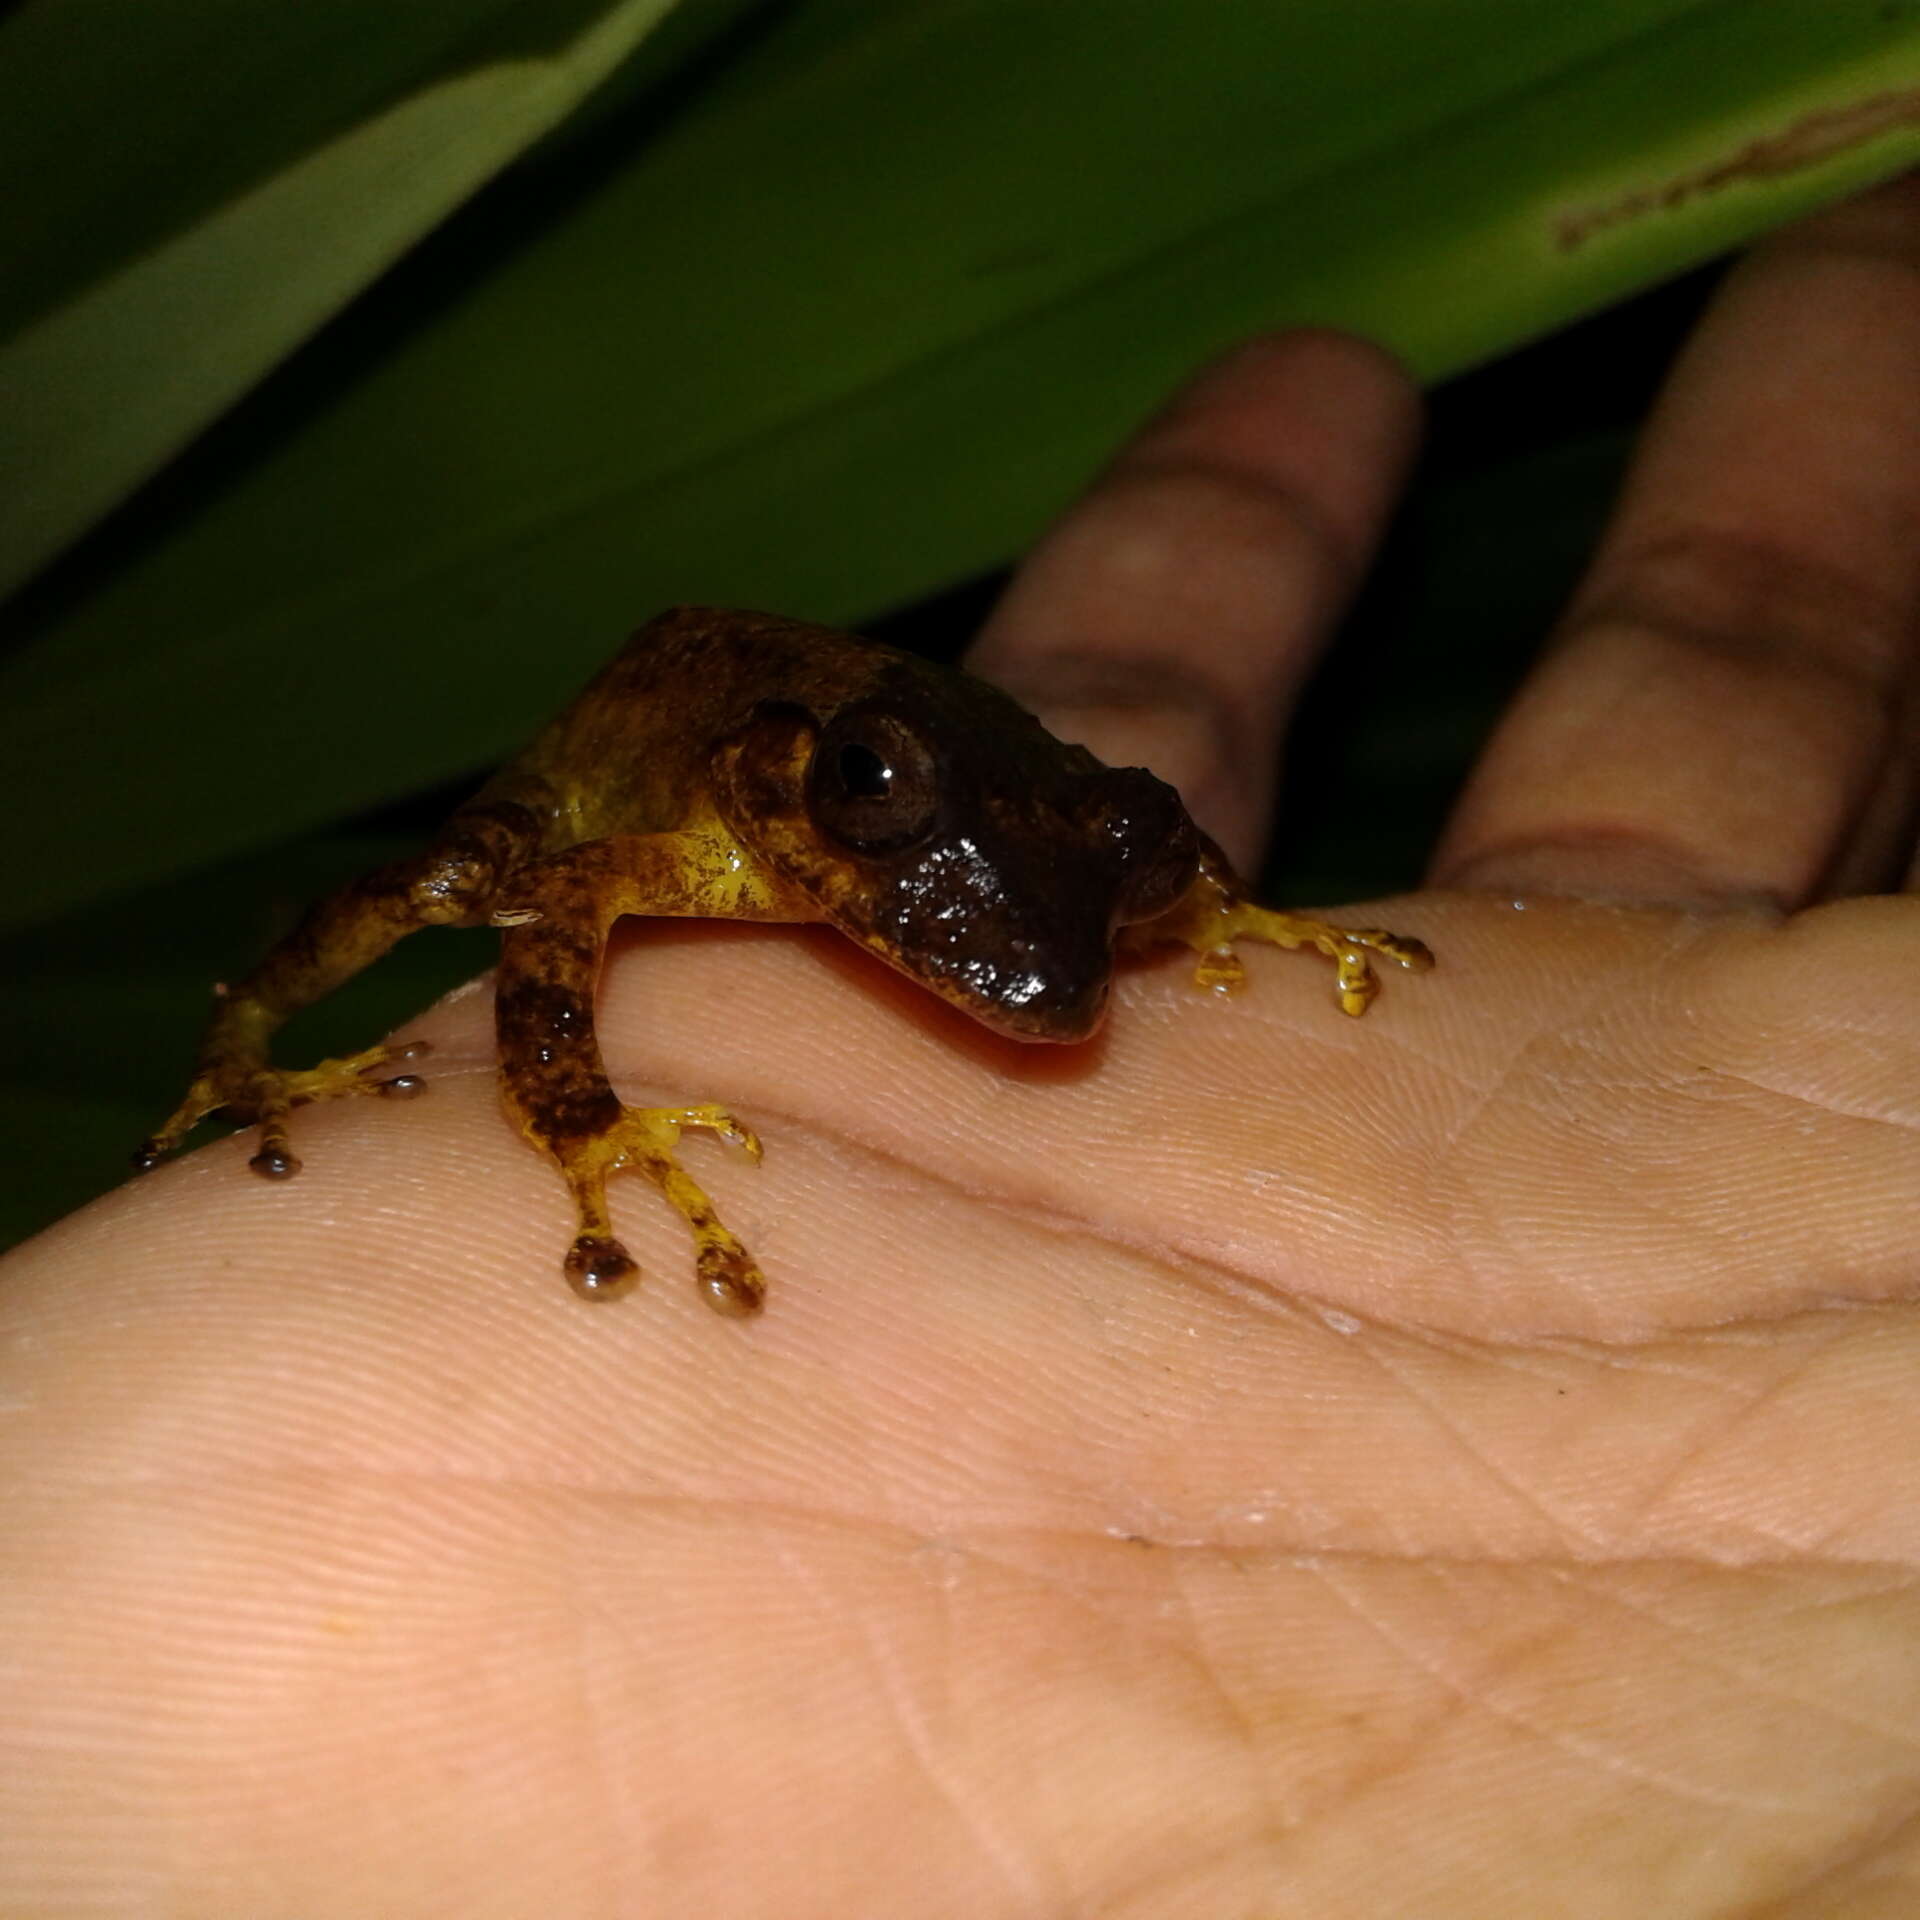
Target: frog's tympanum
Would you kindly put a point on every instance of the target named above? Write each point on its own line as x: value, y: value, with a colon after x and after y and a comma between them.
x: 748, y: 767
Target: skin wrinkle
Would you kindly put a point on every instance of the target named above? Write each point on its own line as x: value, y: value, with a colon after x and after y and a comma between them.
x: 947, y: 1787
x: 1110, y: 1552
x: 596, y: 1777
x: 1844, y: 1861
x: 1511, y: 1359
x: 1186, y: 1872
x: 972, y: 1541
x: 1194, y: 1264
x: 906, y: 1174
x: 1648, y: 870
x: 1478, y: 1254
x: 1628, y: 1195
x: 1260, y: 1785
x: 1698, y: 1449
x: 1386, y: 1763
x: 1729, y: 1234
x: 1193, y: 1261
x: 1237, y: 393
x: 1608, y: 997
x: 1839, y: 1111
x: 1313, y: 547
x: 1706, y: 1379
x: 1752, y: 602
x: 1756, y: 1334
x: 1373, y: 1778
x: 1389, y: 1763
x: 1428, y: 1403
x: 1354, y: 1782
x: 1400, y: 1381
x: 1847, y: 805
x: 1709, y: 1656
x: 1592, y: 1752
x: 1900, y: 1580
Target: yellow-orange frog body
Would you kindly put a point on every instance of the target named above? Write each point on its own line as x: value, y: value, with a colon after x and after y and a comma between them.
x: 744, y: 766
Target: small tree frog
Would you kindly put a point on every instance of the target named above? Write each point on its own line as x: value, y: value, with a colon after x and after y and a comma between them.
x: 745, y: 766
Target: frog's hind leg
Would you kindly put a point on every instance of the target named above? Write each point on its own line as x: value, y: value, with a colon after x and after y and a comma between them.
x: 451, y: 884
x: 555, y: 1087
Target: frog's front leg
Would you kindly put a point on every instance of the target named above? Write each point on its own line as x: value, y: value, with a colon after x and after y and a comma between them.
x: 553, y: 1081
x: 451, y: 884
x: 1217, y: 910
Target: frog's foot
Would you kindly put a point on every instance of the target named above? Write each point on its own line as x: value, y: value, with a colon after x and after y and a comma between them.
x: 598, y: 1267
x: 1349, y: 948
x: 265, y: 1096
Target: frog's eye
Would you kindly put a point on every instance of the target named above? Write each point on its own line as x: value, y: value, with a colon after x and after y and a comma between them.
x: 874, y: 782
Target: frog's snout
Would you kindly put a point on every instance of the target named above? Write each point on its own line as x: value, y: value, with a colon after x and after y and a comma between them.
x: 1030, y: 1006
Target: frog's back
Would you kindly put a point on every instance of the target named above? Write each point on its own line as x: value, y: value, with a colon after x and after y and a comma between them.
x: 632, y: 753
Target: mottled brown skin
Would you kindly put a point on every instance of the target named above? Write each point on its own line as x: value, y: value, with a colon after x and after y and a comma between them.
x: 744, y: 766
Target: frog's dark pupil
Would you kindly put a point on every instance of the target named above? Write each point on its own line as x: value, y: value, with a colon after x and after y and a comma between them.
x: 872, y: 784
x: 863, y: 774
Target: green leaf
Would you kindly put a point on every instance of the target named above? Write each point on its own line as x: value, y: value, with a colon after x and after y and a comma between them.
x: 853, y: 325
x: 198, y: 185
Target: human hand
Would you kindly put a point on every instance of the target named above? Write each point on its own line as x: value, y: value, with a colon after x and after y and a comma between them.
x: 1456, y: 1462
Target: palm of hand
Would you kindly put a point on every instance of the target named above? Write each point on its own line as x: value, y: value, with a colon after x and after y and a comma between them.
x: 1141, y: 1494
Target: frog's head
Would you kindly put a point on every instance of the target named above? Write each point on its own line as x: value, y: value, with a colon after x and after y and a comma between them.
x: 938, y: 824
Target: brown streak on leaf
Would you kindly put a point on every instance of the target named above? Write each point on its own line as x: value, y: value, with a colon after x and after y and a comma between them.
x: 1812, y: 138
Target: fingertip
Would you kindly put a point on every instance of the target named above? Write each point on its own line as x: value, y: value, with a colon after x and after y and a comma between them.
x: 1331, y: 418
x: 1172, y: 614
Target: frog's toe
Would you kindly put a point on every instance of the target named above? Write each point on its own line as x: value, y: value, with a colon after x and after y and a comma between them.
x: 202, y: 1099
x: 599, y: 1268
x: 353, y: 1074
x: 1415, y: 955
x: 643, y: 1139
x: 724, y: 1124
x: 1351, y: 949
x: 729, y: 1281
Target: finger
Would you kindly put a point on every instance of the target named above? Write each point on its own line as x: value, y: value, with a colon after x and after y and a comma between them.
x: 1170, y: 618
x: 1721, y: 715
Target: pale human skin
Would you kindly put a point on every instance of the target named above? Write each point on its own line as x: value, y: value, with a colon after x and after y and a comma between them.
x: 1469, y: 1472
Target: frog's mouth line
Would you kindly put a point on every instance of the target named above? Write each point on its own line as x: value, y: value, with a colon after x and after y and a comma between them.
x: 1045, y: 1014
